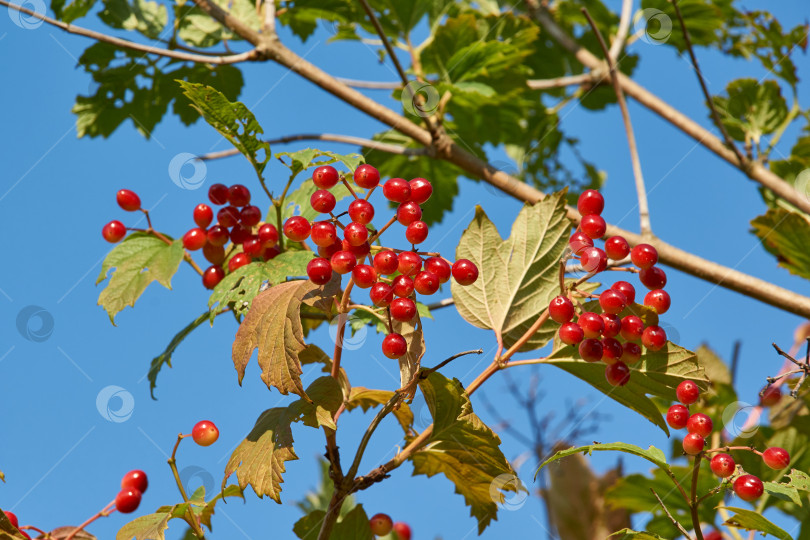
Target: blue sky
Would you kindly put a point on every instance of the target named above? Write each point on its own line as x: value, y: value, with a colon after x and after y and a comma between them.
x: 63, y: 459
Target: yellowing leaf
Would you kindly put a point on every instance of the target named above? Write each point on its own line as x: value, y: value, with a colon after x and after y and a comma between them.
x: 148, y: 527
x: 366, y: 399
x: 786, y: 235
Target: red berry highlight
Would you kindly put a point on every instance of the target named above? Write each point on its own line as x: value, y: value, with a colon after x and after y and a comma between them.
x: 218, y: 194
x: 364, y: 276
x: 238, y: 261
x: 203, y: 215
x: 465, y: 272
x: 593, y: 260
x: 677, y: 416
x: 590, y: 202
x: 238, y: 195
x: 594, y: 226
x: 776, y: 458
x: 195, y: 239
x: 617, y: 248
x: 403, y: 309
x: 127, y: 500
x: 687, y: 392
x: 693, y: 444
x: 366, y: 176
x: 561, y: 309
x: 644, y: 256
x: 409, y: 263
x: 297, y: 228
x: 212, y: 276
x: 394, y: 346
x: 417, y: 232
x: 426, y: 282
x: 381, y: 524
x: 722, y: 465
x: 386, y: 262
x: 617, y: 374
x: 135, y: 479
x: 654, y: 338
x: 319, y: 271
x: 397, y: 190
x: 590, y: 350
x: 322, y: 201
x: 658, y: 300
x: 421, y: 190
x: 325, y: 177
x: 408, y: 212
x: 128, y: 200
x: 612, y: 301
x: 699, y: 423
x: 343, y: 262
x: 748, y: 487
x: 571, y: 333
x: 205, y: 433
x: 114, y: 231
x: 361, y: 211
x: 381, y: 294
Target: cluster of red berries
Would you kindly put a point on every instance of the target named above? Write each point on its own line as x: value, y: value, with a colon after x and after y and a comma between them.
x: 699, y: 426
x: 12, y: 517
x: 596, y: 334
x: 406, y: 270
x: 133, y: 485
x: 381, y: 525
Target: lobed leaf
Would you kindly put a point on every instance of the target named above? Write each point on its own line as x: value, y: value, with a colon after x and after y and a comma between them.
x: 651, y: 454
x: 785, y: 234
x: 752, y: 108
x: 750, y: 520
x: 366, y: 399
x: 148, y: 527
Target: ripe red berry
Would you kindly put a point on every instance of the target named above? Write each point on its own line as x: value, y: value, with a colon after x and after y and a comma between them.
x: 361, y: 211
x: 561, y: 309
x: 409, y: 263
x: 386, y: 262
x: 203, y: 215
x: 617, y: 248
x: 327, y: 251
x: 358, y: 251
x: 322, y: 201
x: 677, y: 416
x: 381, y: 294
x: 612, y: 351
x: 417, y: 232
x: 421, y: 190
x: 571, y: 333
x: 218, y: 235
x: 364, y: 276
x: 771, y: 395
x: 632, y: 328
x: 632, y: 353
x: 627, y: 290
x: 693, y: 444
x: 366, y: 176
x: 644, y: 256
x: 319, y: 271
x: 403, y: 309
x: 381, y: 524
x: 439, y: 267
x: 394, y: 346
x: 592, y: 324
x: 593, y: 260
x: 238, y: 261
x: 403, y: 531
x: 228, y: 216
x: 114, y: 231
x: 355, y: 234
x: 613, y: 325
x: 250, y: 216
x: 212, y: 276
x: 297, y: 228
x: 195, y: 239
x: 590, y: 350
x: 205, y: 433
x: 325, y: 177
x: 270, y: 252
x: 343, y: 262
x: 403, y: 286
x: 590, y: 202
x: 594, y: 226
x: 578, y: 242
x: 653, y: 278
x: 658, y: 300
x: 699, y: 423
x: 612, y: 301
x: 12, y: 517
x: 748, y: 487
x: 239, y: 234
x: 252, y: 247
x: 617, y: 374
x: 722, y: 465
x: 135, y: 480
x: 654, y: 338
x: 426, y: 282
x: 127, y: 500
x: 323, y: 233
x: 128, y: 200
x: 712, y: 535
x: 218, y: 194
x: 397, y: 190
x: 408, y: 212
x: 238, y: 195
x: 465, y: 272
x: 687, y: 392
x: 776, y: 458
x: 268, y: 234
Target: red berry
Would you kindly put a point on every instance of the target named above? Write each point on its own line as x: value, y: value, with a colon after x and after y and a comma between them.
x: 632, y: 328
x: 561, y: 309
x: 252, y: 247
x: 409, y: 263
x: 644, y: 256
x: 403, y: 286
x: 343, y: 262
x: 693, y: 444
x: 361, y: 211
x: 658, y: 300
x: 776, y: 458
x: 403, y: 309
x: 579, y: 241
x: 592, y: 324
x: 612, y: 301
x: 402, y: 530
x: 394, y: 346
x: 612, y: 351
x: 771, y: 395
x: 594, y: 226
x: 590, y: 350
x: 128, y: 200
x: 613, y: 325
x: 381, y: 524
x: 397, y: 190
x: 250, y: 216
x: 323, y: 233
x: 297, y: 228
x: 748, y: 487
x: 364, y: 276
x: 593, y: 260
x: 268, y: 234
x: 270, y: 252
x: 617, y: 374
x: 617, y: 248
x: 571, y: 333
x: 238, y: 195
x: 322, y: 201
x: 135, y: 480
x: 653, y: 277
x: 386, y: 262
x: 627, y: 290
x: 228, y: 216
x: 238, y: 261
x: 677, y: 416
x: 654, y: 338
x: 327, y: 251
x: 590, y: 202
x: 127, y: 500
x: 325, y: 177
x: 366, y: 176
x: 408, y: 212
x: 381, y: 294
x: 218, y: 235
x: 439, y: 267
x: 203, y: 215
x: 114, y: 231
x: 239, y: 234
x: 699, y: 423
x: 713, y: 535
x: 319, y: 271
x: 205, y: 433
x: 421, y: 190
x: 12, y: 517
x: 355, y: 233
x: 426, y: 282
x: 722, y: 465
x: 218, y: 194
x: 358, y: 251
x: 465, y: 272
x: 212, y: 276
x: 632, y: 353
x: 195, y: 239
x: 687, y: 392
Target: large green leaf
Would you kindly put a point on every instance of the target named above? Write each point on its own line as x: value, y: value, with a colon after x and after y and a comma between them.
x: 705, y: 20
x: 366, y: 399
x: 464, y: 449
x: 786, y: 235
x: 166, y: 356
x: 76, y: 9
x: 750, y: 520
x: 518, y: 276
x: 651, y: 454
x: 146, y: 16
x: 136, y: 262
x: 753, y: 108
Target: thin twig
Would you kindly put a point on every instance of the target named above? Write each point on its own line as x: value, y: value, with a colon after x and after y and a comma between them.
x: 693, y: 500
x: 269, y: 24
x: 387, y: 44
x: 371, y: 85
x: 425, y: 373
x: 672, y: 519
x: 561, y: 82
x: 387, y: 408
x: 621, y: 34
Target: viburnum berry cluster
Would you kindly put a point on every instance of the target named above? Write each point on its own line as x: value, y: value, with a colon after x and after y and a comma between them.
x: 393, y: 276
x: 382, y: 525
x: 607, y: 332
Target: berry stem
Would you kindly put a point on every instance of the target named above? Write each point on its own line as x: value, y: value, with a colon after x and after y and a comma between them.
x: 358, y: 456
x: 377, y: 235
x: 191, y: 520
x: 189, y: 260
x: 529, y: 362
x: 363, y: 307
x: 36, y: 529
x: 369, y: 192
x: 525, y: 337
x: 348, y: 186
x: 693, y: 500
x: 425, y: 373
x: 728, y: 448
x: 104, y: 512
x: 672, y: 519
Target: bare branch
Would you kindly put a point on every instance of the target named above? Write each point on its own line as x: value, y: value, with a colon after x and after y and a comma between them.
x: 672, y: 519
x: 384, y: 38
x: 372, y: 85
x: 269, y: 24
x: 561, y: 82
x: 621, y: 34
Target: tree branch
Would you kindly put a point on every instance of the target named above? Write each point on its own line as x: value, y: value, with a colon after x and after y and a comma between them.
x: 386, y: 43
x: 372, y: 85
x: 672, y: 519
x: 621, y: 34
x: 561, y: 82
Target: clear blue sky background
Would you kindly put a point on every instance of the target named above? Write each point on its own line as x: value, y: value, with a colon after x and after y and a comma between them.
x: 63, y: 459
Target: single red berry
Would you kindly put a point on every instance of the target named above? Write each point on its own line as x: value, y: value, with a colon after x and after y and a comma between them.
x: 238, y: 261
x: 355, y: 233
x: 579, y: 241
x: 218, y: 235
x: 632, y: 328
x: 617, y: 248
x: 644, y: 256
x: 617, y: 374
x: 322, y: 201
x: 770, y: 396
x: 590, y: 202
x: 613, y: 325
x: 594, y: 226
x: 403, y: 286
x: 327, y: 251
x: 319, y: 271
x: 381, y: 294
x: 403, y: 309
x: 364, y: 276
x: 632, y: 353
x: 658, y: 300
x: 402, y: 530
x: 386, y: 262
x: 268, y: 234
x: 571, y: 333
x: 361, y: 211
x: 654, y: 338
x: 722, y: 465
x: 693, y: 444
x: 421, y: 190
x: 195, y: 239
x: 270, y: 252
x: 417, y: 232
x: 114, y: 231
x: 366, y: 176
x: 699, y: 423
x: 653, y: 278
x: 203, y: 215
x: 748, y: 487
x: 677, y: 416
x: 426, y: 282
x: 238, y: 195
x: 252, y: 247
x: 135, y: 480
x: 12, y: 517
x: 394, y: 346
x: 323, y: 233
x: 592, y: 324
x: 627, y: 290
x: 612, y: 351
x: 561, y: 309
x: 239, y: 234
x: 776, y: 458
x: 590, y: 350
x: 358, y: 251
x: 409, y: 263
x: 250, y: 216
x: 408, y: 212
x: 465, y: 272
x: 228, y: 216
x: 593, y: 260
x: 218, y: 194
x: 687, y: 392
x: 712, y: 535
x: 612, y: 301
x: 439, y: 267
x: 212, y: 276
x: 397, y: 190
x: 343, y: 262
x: 381, y: 524
x: 205, y: 433
x: 325, y: 177
x: 128, y: 200
x: 297, y: 228
x: 127, y: 500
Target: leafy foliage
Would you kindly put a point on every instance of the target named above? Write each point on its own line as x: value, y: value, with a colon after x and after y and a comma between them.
x: 785, y: 234
x: 352, y: 526
x: 651, y: 454
x: 366, y: 399
x: 750, y: 520
x: 752, y: 109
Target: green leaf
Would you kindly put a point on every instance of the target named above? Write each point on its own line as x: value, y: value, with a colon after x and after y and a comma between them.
x: 750, y: 520
x: 799, y: 480
x: 753, y: 108
x: 783, y: 492
x: 137, y: 261
x: 146, y: 16
x: 629, y: 534
x: 307, y: 527
x: 304, y: 159
x: 148, y: 527
x: 208, y: 509
x: 518, y: 276
x: 166, y: 356
x: 367, y: 399
x: 354, y: 526
x: 198, y: 29
x: 651, y: 454
x: 464, y: 449
x: 326, y: 396
x: 786, y: 235
x: 76, y: 9
x: 716, y: 370
x: 705, y: 20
